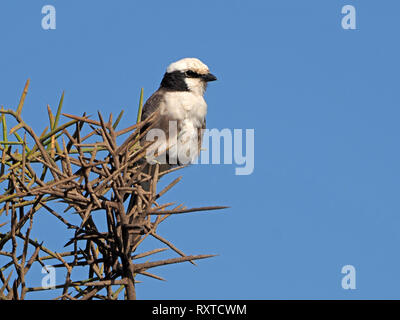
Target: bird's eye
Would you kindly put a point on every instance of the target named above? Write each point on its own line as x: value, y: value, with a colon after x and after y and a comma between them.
x: 190, y: 74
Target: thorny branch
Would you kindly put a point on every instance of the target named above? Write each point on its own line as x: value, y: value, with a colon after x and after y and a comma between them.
x: 93, y: 174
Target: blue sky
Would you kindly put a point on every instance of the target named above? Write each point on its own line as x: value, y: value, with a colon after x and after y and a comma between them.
x: 324, y: 103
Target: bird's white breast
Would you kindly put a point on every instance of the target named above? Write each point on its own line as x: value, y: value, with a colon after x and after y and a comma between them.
x: 189, y: 111
x: 184, y: 105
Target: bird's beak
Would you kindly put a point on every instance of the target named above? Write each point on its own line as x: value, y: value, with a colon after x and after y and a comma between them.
x: 209, y: 77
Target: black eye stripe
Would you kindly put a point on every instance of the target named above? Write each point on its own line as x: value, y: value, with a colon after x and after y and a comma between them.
x: 192, y: 74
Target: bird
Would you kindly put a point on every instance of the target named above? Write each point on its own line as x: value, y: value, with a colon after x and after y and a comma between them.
x: 181, y: 113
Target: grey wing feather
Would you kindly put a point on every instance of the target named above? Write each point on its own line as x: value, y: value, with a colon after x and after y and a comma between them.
x: 152, y: 104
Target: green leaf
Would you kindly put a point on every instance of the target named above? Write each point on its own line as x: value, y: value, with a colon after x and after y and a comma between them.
x: 4, y: 123
x: 139, y: 115
x: 118, y: 119
x: 55, y: 124
x: 23, y: 96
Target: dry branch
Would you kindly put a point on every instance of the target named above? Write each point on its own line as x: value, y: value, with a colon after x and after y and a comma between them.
x: 80, y: 163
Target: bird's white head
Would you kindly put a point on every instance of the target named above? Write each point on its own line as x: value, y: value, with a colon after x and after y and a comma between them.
x: 186, y: 64
x: 188, y: 74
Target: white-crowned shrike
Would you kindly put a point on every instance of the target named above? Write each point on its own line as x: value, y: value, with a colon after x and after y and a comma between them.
x: 181, y: 109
